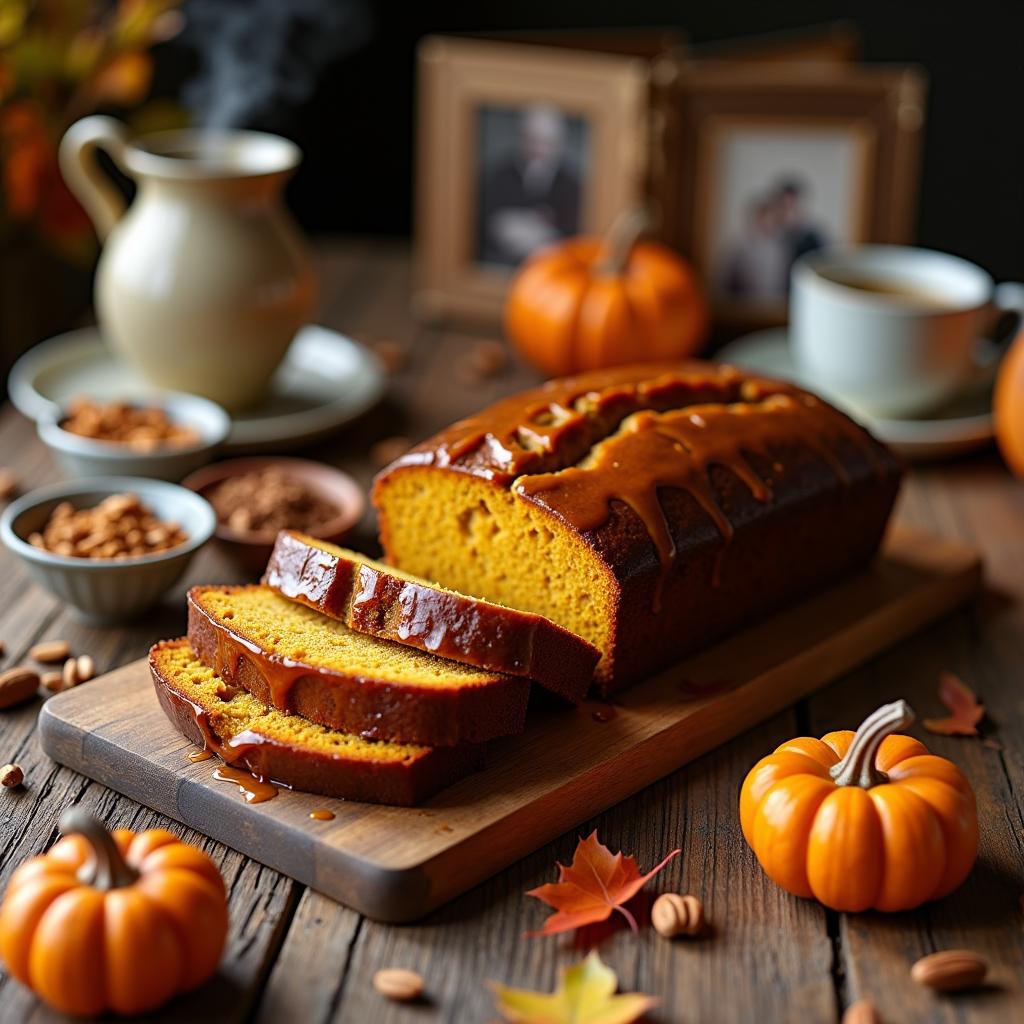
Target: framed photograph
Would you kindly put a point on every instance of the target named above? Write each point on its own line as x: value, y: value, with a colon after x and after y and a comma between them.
x: 518, y: 147
x: 762, y: 163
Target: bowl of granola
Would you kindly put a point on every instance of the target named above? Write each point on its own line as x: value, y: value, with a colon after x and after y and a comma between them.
x: 162, y: 435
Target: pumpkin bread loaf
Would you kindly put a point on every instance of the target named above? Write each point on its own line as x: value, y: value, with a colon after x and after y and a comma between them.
x: 373, y: 598
x: 288, y: 749
x: 648, y: 509
x: 292, y: 658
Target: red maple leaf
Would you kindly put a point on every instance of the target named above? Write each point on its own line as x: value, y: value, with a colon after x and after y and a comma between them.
x: 592, y: 887
x: 965, y: 711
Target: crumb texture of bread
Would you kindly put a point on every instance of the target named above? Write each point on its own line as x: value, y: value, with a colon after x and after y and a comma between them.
x: 648, y: 509
x: 376, y: 599
x: 289, y: 749
x: 296, y: 659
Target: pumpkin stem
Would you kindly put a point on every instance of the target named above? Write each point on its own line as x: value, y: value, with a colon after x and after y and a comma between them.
x: 858, y: 767
x: 624, y: 233
x: 107, y: 868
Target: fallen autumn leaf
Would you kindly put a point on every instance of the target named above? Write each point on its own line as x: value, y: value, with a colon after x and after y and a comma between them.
x: 585, y: 995
x: 595, y: 884
x: 965, y: 711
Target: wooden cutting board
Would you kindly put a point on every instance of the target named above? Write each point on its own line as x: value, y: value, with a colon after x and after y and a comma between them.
x: 396, y: 864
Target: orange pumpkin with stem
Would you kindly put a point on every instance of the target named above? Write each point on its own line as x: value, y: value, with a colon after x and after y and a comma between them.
x: 591, y: 303
x: 1008, y: 407
x: 115, y: 921
x: 861, y: 820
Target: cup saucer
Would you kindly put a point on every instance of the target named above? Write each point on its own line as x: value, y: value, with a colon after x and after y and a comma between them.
x: 962, y: 426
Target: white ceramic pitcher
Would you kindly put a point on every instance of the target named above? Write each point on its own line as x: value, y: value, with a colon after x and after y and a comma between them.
x: 204, y: 279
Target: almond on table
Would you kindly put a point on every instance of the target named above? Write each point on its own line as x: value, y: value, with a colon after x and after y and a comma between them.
x: 17, y: 685
x: 49, y: 651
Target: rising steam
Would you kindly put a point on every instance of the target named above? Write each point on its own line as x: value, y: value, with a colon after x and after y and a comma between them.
x: 260, y: 58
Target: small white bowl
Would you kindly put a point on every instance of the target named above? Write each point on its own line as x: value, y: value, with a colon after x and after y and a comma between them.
x: 103, y: 592
x: 79, y: 456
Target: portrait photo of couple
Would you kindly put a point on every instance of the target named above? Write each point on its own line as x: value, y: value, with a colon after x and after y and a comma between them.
x: 766, y: 214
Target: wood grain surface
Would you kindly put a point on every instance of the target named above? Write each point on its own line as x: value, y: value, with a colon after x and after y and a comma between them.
x: 398, y: 863
x: 294, y: 954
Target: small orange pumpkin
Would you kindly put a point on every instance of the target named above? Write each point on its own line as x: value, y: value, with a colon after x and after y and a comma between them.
x: 115, y: 921
x: 589, y: 303
x: 865, y: 820
x: 1008, y: 407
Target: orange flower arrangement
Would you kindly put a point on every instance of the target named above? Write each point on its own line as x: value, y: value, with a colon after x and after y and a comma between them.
x: 61, y: 60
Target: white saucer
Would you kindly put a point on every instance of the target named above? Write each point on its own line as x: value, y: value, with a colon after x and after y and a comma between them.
x: 963, y: 426
x: 325, y: 381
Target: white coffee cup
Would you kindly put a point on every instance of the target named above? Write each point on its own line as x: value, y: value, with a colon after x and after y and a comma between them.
x: 894, y: 330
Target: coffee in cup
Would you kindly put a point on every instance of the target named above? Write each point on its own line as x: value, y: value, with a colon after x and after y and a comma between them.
x: 893, y: 330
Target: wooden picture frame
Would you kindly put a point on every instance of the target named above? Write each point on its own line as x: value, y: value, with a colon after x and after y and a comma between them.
x: 711, y: 112
x: 605, y: 98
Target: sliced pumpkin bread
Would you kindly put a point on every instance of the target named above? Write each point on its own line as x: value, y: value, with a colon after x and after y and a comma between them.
x: 373, y: 598
x: 292, y: 658
x: 288, y: 749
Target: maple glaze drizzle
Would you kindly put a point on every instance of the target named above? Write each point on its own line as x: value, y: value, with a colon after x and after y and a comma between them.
x: 280, y: 674
x: 678, y: 449
x: 555, y: 425
x: 320, y: 814
x: 234, y: 751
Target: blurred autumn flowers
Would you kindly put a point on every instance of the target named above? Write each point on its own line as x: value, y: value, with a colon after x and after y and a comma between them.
x: 61, y: 60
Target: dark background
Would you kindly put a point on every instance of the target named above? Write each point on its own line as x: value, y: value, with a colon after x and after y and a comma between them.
x: 357, y: 129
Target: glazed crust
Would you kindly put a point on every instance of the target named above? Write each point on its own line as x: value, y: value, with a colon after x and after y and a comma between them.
x: 371, y: 708
x: 383, y: 782
x: 830, y: 490
x: 369, y: 599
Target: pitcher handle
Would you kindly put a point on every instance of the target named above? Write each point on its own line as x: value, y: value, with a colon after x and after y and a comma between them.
x: 85, y: 177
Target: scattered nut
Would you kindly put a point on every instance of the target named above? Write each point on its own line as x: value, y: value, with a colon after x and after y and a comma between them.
x: 11, y: 775
x: 17, y: 685
x: 49, y: 652
x: 53, y: 681
x: 144, y: 429
x: 390, y: 353
x: 950, y: 970
x: 398, y: 983
x: 8, y: 484
x: 486, y: 359
x: 674, y: 915
x: 69, y: 676
x: 84, y: 668
x: 861, y: 1012
x: 119, y: 527
x: 385, y: 451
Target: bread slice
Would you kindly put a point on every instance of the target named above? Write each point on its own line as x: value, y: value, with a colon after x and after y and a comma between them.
x: 290, y: 750
x: 374, y: 598
x: 292, y: 658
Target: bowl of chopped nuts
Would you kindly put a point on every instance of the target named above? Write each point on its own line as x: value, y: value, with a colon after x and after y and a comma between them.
x: 255, y: 498
x: 110, y: 547
x: 170, y: 435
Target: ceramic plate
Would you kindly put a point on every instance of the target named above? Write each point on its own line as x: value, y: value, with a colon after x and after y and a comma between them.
x: 962, y: 426
x: 325, y: 381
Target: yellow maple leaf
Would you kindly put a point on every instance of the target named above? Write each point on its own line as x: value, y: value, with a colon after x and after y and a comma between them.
x: 585, y: 995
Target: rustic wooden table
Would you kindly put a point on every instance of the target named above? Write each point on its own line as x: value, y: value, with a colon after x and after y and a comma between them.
x: 294, y: 955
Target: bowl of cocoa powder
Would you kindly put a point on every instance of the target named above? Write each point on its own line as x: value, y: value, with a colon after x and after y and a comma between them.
x: 255, y: 498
